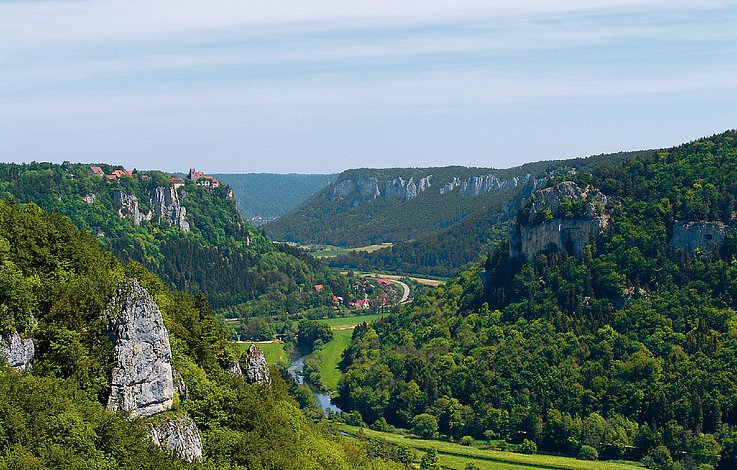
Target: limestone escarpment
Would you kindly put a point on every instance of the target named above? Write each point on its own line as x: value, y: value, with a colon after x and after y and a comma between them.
x: 565, y: 217
x: 359, y: 190
x: 476, y: 185
x: 165, y: 204
x: 254, y: 366
x: 404, y: 190
x: 166, y: 207
x: 127, y: 207
x: 18, y: 352
x: 705, y: 236
x: 142, y: 380
x: 178, y: 434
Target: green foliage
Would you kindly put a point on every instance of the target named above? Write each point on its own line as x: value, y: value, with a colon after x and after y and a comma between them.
x: 626, y: 349
x: 425, y: 425
x: 222, y: 255
x: 57, y: 284
x: 588, y: 453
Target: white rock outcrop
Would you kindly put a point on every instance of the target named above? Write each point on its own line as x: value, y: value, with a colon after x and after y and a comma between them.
x: 254, y: 366
x: 404, y: 190
x: 178, y: 434
x: 166, y: 207
x: 142, y: 380
x: 545, y: 225
x: 17, y: 351
x: 705, y: 236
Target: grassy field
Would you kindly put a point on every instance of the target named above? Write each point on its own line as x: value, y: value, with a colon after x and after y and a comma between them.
x: 350, y: 322
x: 331, y: 356
x: 422, y: 280
x: 274, y: 352
x: 334, y: 251
x: 457, y: 456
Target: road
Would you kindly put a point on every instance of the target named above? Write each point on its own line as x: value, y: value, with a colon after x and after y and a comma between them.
x: 405, y: 294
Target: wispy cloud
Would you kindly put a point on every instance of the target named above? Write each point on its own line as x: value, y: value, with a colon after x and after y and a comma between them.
x: 293, y: 63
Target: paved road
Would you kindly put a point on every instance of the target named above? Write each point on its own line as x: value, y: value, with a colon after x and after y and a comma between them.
x: 405, y: 295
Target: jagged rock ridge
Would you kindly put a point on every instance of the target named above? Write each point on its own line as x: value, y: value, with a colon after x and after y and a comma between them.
x: 178, y: 434
x: 18, y: 352
x: 404, y: 190
x: 565, y: 217
x: 142, y: 380
x: 165, y: 203
x: 476, y: 185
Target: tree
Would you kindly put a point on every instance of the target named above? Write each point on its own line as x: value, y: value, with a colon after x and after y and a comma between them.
x: 425, y: 425
x: 588, y: 453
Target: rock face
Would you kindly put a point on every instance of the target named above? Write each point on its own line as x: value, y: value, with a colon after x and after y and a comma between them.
x: 178, y: 434
x: 165, y: 204
x: 127, y: 207
x: 359, y: 190
x: 166, y: 207
x: 90, y: 198
x: 142, y: 381
x: 404, y: 190
x: 255, y: 368
x: 476, y: 185
x: 706, y: 236
x: 18, y: 352
x: 565, y: 217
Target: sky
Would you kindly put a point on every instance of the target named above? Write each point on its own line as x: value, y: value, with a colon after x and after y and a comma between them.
x: 321, y: 86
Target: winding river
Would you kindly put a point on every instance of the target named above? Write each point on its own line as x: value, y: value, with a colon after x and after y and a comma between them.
x: 296, y: 369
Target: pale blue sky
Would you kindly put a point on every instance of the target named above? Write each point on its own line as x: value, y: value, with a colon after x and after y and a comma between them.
x: 321, y: 86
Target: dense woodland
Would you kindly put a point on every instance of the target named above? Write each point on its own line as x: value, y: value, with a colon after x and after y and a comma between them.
x: 55, y: 282
x: 223, y: 256
x: 628, y: 349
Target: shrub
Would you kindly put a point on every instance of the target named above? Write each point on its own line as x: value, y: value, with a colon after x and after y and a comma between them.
x: 527, y: 447
x: 588, y: 453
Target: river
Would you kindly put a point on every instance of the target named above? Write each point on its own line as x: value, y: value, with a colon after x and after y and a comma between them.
x: 322, y: 400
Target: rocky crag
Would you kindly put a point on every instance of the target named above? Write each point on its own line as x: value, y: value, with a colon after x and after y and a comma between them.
x: 703, y: 236
x: 143, y: 381
x: 254, y: 366
x: 17, y: 351
x: 179, y: 434
x: 165, y: 204
x: 564, y: 217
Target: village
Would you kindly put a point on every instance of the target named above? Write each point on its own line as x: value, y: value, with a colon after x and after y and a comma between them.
x: 197, y: 177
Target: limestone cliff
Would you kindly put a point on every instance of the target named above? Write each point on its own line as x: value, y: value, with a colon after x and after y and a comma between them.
x: 705, y: 236
x: 166, y: 207
x: 476, y: 185
x: 565, y: 217
x: 18, y: 352
x: 179, y: 434
x: 404, y: 190
x: 359, y: 190
x: 165, y: 203
x: 142, y: 381
x: 127, y: 207
x: 255, y: 368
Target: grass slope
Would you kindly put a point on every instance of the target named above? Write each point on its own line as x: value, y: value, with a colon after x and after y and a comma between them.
x: 457, y: 456
x: 331, y: 356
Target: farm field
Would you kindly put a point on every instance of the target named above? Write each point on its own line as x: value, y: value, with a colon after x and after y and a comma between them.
x: 331, y: 252
x: 457, y: 456
x: 331, y: 356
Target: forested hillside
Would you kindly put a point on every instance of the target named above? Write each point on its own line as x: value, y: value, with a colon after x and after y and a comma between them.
x: 191, y: 236
x: 262, y: 197
x: 439, y: 219
x: 56, y: 286
x: 622, y: 347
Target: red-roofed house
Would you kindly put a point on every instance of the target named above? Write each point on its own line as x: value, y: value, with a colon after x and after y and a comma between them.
x: 319, y: 287
x: 97, y: 171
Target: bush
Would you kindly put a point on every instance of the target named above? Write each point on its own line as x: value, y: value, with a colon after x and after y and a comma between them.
x: 527, y: 447
x: 467, y: 441
x: 425, y: 425
x: 588, y: 453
